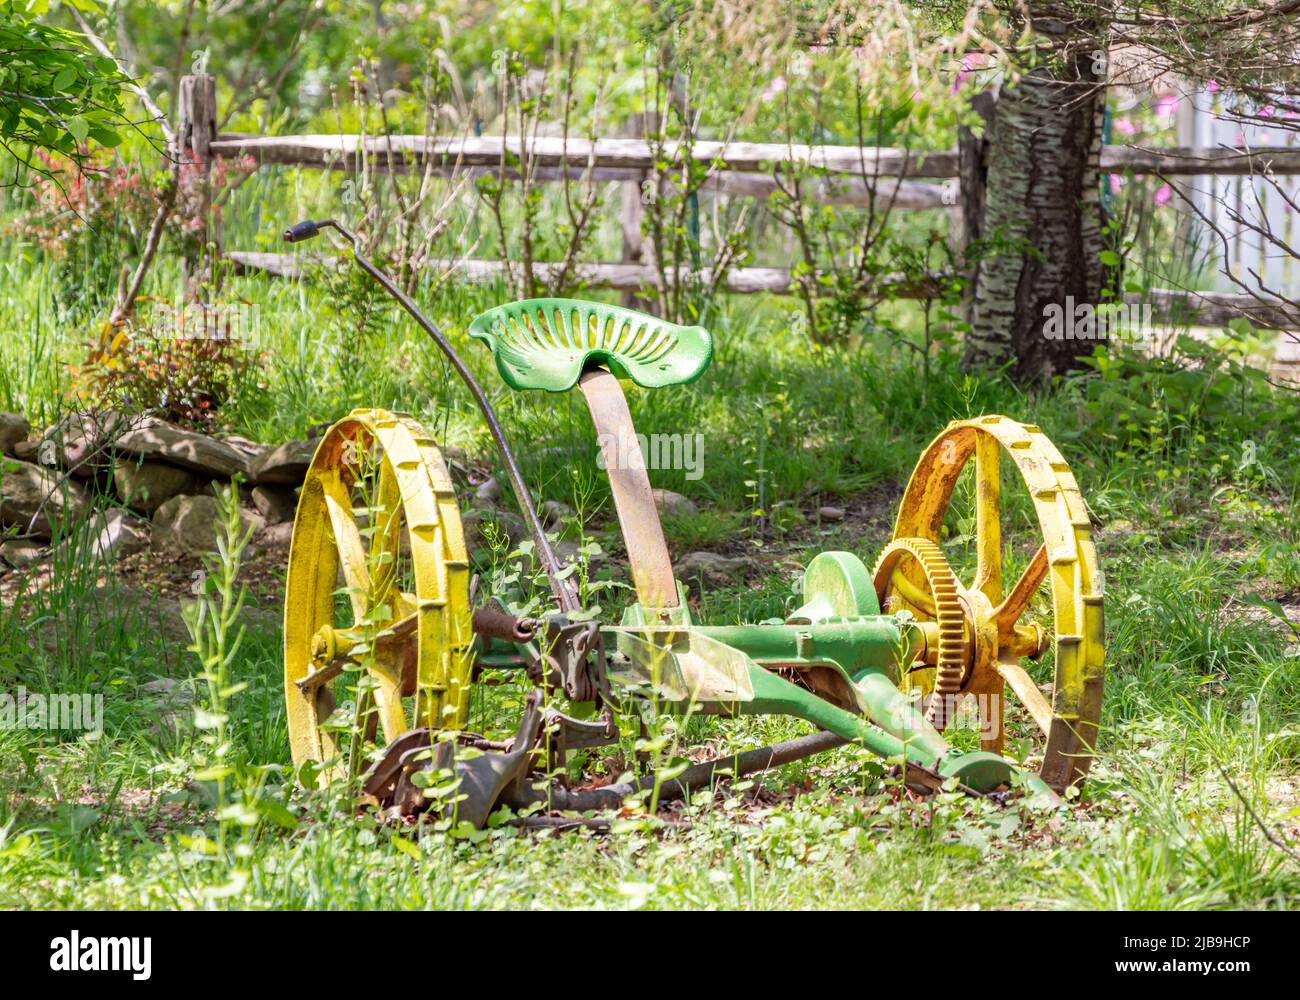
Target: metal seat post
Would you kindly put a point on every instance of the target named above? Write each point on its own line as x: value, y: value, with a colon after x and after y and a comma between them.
x: 647, y: 551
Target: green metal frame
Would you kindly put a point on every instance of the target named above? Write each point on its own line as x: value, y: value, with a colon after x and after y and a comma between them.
x: 733, y: 670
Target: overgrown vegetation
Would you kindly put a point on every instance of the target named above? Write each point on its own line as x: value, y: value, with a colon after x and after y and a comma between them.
x: 1195, y: 505
x: 812, y: 414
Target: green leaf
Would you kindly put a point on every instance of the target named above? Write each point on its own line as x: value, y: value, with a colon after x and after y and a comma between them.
x: 198, y: 844
x: 79, y: 127
x: 106, y: 136
x: 406, y: 847
x: 23, y: 845
x: 81, y: 818
x: 307, y: 774
x: 1272, y: 607
x: 276, y: 813
x: 465, y: 831
x: 66, y: 78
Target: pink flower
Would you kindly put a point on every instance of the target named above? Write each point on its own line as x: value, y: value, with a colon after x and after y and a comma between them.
x: 1116, y: 182
x: 962, y: 74
x: 1212, y: 86
x: 1126, y: 126
x: 1266, y: 111
x: 1166, y: 104
x: 1164, y: 194
x: 774, y: 87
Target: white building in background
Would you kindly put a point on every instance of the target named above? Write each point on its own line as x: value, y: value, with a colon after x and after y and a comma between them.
x: 1204, y: 119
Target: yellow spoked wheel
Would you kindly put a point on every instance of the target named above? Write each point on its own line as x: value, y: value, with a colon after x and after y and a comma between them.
x: 377, y: 619
x: 997, y: 626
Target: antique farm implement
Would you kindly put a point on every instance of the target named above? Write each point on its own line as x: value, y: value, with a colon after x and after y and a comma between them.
x: 381, y: 674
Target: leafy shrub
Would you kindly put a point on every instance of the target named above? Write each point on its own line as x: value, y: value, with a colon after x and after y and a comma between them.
x: 183, y: 380
x: 1190, y: 403
x: 1195, y: 381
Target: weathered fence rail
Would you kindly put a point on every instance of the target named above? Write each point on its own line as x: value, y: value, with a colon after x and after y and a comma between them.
x: 403, y: 152
x: 626, y: 277
x: 1167, y: 305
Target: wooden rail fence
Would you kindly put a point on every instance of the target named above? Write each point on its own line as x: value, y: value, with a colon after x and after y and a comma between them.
x: 846, y: 175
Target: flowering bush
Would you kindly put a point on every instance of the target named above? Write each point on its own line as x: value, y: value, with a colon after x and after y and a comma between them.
x: 93, y: 221
x: 105, y: 194
x: 88, y: 222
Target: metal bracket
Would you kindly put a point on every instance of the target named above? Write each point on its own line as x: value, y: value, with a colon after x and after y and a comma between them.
x: 565, y: 658
x: 562, y: 733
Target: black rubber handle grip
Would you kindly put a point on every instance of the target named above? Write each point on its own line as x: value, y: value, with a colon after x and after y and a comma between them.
x: 302, y: 231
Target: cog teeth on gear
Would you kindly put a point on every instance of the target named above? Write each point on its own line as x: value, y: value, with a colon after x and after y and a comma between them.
x: 942, y: 583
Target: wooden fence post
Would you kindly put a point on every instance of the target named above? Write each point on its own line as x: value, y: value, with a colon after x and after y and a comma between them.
x: 196, y: 128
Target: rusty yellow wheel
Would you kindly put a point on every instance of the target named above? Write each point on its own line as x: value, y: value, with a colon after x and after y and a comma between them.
x: 998, y: 619
x: 377, y: 618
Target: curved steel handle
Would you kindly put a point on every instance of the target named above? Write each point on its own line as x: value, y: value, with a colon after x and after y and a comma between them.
x: 560, y: 585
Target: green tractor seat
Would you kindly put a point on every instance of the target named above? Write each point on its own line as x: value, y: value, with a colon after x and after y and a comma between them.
x: 547, y: 343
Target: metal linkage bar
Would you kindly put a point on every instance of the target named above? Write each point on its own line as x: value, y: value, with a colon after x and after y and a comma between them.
x: 695, y: 776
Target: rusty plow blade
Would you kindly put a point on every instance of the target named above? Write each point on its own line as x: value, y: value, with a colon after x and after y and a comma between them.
x: 483, y: 771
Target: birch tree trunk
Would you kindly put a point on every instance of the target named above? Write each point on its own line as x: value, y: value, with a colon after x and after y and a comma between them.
x: 1042, y: 211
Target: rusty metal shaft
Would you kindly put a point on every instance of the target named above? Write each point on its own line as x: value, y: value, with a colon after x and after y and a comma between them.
x: 647, y: 551
x: 695, y: 776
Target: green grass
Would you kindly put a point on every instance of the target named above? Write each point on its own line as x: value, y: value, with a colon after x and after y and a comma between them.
x: 1201, y: 686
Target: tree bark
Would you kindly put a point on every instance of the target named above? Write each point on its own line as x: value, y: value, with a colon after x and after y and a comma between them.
x: 1041, y: 219
x: 972, y: 170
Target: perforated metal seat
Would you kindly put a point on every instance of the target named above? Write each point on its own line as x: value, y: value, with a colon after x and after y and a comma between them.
x: 546, y: 344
